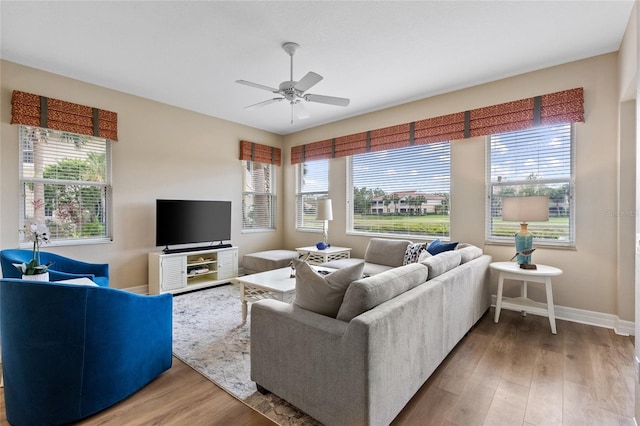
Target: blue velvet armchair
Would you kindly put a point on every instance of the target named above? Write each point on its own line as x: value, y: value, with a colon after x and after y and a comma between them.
x: 69, y: 351
x: 63, y: 268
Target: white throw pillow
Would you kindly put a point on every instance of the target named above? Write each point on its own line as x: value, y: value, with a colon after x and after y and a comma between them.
x: 424, y: 255
x: 323, y: 294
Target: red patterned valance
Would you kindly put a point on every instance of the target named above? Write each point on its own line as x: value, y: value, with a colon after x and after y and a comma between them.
x: 566, y: 106
x: 251, y: 151
x: 40, y: 111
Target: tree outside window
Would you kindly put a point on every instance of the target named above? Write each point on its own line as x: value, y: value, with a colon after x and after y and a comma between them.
x: 65, y: 183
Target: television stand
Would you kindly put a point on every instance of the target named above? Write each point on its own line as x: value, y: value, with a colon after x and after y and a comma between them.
x: 191, y: 269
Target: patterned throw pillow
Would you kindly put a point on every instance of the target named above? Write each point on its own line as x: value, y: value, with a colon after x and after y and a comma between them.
x: 412, y: 253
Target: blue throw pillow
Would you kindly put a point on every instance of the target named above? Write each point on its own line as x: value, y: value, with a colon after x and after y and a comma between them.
x: 438, y: 246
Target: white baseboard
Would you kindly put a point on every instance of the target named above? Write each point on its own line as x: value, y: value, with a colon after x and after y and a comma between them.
x: 598, y: 319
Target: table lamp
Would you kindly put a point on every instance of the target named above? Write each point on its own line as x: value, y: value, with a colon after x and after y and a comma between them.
x: 523, y: 210
x: 324, y: 213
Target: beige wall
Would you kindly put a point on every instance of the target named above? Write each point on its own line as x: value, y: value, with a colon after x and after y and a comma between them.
x: 590, y: 279
x: 162, y: 152
x: 169, y: 152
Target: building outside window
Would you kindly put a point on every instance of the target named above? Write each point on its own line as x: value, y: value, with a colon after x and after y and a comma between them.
x: 537, y: 161
x: 401, y: 192
x: 312, y: 184
x: 65, y: 183
x: 258, y: 196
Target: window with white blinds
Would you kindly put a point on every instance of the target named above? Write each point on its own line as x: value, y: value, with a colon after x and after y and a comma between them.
x: 65, y: 183
x: 403, y: 191
x: 258, y: 196
x: 537, y: 161
x: 312, y: 179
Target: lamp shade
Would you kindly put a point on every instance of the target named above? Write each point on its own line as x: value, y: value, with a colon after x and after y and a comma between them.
x: 525, y: 209
x: 324, y: 211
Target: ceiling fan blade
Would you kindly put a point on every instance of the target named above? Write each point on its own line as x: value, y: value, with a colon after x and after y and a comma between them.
x: 308, y: 81
x: 258, y: 86
x: 300, y: 110
x: 263, y: 103
x: 331, y: 100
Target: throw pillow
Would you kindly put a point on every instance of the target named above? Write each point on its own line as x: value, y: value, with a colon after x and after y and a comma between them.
x: 323, y: 294
x: 412, y: 253
x: 438, y: 246
x: 424, y: 255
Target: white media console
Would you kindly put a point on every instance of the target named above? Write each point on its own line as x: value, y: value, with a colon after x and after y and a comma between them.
x: 192, y: 270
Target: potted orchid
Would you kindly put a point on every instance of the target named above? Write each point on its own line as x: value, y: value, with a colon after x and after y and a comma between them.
x: 38, y: 233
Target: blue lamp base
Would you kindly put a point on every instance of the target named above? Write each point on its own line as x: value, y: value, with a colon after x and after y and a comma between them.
x: 524, y: 241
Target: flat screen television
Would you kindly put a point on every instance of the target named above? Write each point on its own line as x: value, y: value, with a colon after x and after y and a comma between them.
x: 192, y: 222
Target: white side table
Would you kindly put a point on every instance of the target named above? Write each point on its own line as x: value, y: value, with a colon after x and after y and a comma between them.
x: 511, y: 270
x: 316, y: 257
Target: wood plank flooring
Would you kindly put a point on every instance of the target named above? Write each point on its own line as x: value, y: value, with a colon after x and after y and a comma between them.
x: 512, y: 373
x: 180, y: 396
x: 518, y: 373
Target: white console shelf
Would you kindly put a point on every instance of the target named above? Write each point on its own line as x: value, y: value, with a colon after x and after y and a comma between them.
x: 178, y: 272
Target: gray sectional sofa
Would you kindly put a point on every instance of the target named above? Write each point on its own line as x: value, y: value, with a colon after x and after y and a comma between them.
x: 391, y: 332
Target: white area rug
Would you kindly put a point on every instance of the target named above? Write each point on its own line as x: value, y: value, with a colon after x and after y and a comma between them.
x: 208, y: 335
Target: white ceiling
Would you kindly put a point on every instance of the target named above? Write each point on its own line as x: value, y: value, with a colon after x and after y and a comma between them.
x: 378, y: 54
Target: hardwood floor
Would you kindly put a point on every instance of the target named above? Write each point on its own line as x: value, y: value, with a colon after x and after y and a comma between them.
x: 180, y: 396
x: 518, y: 373
x: 512, y: 373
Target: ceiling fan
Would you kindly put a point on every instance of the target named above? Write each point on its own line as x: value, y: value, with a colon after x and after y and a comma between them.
x: 294, y: 91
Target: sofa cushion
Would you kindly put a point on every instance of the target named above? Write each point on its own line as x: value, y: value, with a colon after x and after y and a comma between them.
x: 384, y: 251
x: 442, y: 263
x: 375, y: 269
x: 438, y: 246
x: 323, y: 294
x: 412, y: 252
x: 367, y: 293
x: 468, y: 252
x: 341, y: 263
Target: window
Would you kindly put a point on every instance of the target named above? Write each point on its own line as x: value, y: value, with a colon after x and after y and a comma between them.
x: 401, y: 192
x: 536, y: 161
x: 65, y: 181
x: 258, y: 196
x: 312, y: 184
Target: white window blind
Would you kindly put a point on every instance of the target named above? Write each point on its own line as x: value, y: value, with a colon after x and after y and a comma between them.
x: 537, y: 161
x: 258, y: 196
x: 404, y: 191
x: 65, y: 182
x: 312, y: 185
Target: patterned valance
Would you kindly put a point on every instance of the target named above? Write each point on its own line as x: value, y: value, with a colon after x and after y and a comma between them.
x: 251, y: 151
x: 566, y: 106
x: 40, y: 111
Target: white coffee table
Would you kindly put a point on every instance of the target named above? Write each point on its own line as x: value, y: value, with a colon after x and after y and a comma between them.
x: 276, y: 284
